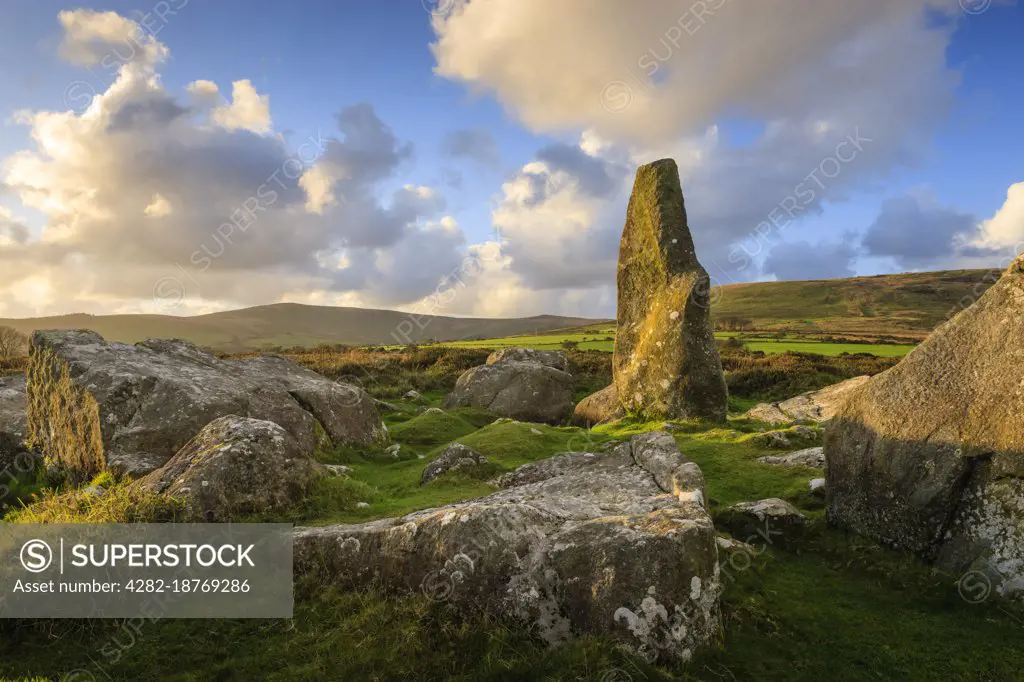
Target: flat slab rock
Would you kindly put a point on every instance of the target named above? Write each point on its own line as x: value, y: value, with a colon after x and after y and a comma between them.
x: 813, y: 406
x: 809, y: 457
x: 94, y: 405
x: 618, y: 544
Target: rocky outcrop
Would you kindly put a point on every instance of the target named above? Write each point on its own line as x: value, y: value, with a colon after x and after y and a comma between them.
x: 666, y: 363
x: 346, y: 412
x: 813, y: 406
x: 520, y: 389
x: 13, y: 418
x: 236, y: 466
x: 617, y: 543
x: 600, y: 407
x: 929, y: 455
x: 455, y: 457
x: 809, y: 457
x: 95, y: 405
x: 549, y: 358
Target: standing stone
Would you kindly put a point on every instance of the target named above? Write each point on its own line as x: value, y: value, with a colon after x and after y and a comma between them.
x: 929, y: 455
x: 665, y: 364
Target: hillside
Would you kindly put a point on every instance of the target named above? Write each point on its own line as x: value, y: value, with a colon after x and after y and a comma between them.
x: 906, y: 306
x: 292, y: 324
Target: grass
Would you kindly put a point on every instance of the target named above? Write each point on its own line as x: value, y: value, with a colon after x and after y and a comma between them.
x: 603, y: 340
x: 836, y: 607
x: 833, y: 606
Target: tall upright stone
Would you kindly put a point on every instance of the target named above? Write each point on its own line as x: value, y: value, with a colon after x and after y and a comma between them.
x: 929, y: 455
x: 666, y: 364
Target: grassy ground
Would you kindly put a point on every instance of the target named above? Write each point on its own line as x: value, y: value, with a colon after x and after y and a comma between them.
x: 833, y: 607
x: 603, y: 339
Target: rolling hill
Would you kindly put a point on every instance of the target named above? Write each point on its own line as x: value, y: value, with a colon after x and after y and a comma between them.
x: 292, y: 324
x: 906, y: 306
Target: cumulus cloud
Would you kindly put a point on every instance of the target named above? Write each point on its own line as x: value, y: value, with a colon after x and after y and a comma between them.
x: 475, y: 144
x: 803, y: 261
x: 107, y: 39
x: 916, y: 231
x: 652, y: 80
x: 152, y: 200
x: 1006, y: 227
x: 248, y: 110
x: 656, y: 70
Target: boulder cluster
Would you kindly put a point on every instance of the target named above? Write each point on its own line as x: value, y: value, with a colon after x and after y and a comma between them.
x: 227, y: 437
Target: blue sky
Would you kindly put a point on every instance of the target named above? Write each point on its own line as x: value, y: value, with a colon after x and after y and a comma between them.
x: 496, y: 125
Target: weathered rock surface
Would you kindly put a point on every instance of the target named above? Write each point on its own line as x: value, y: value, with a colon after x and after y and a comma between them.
x: 666, y: 363
x: 551, y: 358
x: 599, y: 407
x: 455, y: 457
x: 96, y: 405
x: 809, y: 457
x: 773, y: 520
x: 13, y: 418
x: 813, y: 406
x: 586, y: 543
x: 234, y: 466
x: 929, y: 455
x: 521, y: 389
x: 795, y: 436
x: 347, y: 412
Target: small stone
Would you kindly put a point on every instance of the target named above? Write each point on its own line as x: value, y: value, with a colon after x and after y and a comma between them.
x: 817, y: 487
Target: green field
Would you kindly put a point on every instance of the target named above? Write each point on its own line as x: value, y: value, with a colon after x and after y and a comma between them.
x: 601, y: 338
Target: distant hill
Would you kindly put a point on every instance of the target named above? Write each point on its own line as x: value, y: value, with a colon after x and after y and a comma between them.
x: 909, y: 305
x: 906, y: 306
x: 292, y: 324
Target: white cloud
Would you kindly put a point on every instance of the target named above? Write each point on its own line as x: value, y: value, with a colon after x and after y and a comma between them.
x: 107, y: 39
x: 148, y: 199
x: 1006, y: 227
x: 248, y: 110
x: 649, y: 80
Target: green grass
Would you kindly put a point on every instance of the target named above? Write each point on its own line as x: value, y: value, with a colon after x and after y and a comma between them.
x: 555, y: 340
x: 834, y: 606
x: 772, y: 347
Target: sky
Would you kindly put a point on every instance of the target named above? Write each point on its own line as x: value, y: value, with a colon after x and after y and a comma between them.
x: 475, y: 157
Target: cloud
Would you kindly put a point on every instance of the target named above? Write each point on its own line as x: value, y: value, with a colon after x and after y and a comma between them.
x: 148, y: 198
x: 657, y: 70
x: 107, y: 39
x: 1006, y: 227
x: 805, y: 261
x: 916, y: 231
x: 475, y: 144
x: 653, y: 80
x: 248, y: 110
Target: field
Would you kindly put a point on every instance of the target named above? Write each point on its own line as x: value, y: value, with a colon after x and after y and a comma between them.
x: 833, y: 607
x: 602, y: 338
